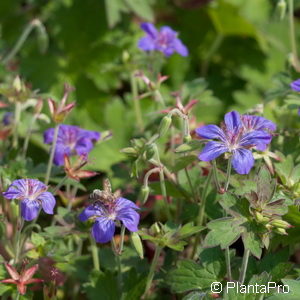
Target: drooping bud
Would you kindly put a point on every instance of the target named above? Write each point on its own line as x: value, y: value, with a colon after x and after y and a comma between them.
x: 281, y: 9
x: 145, y: 193
x: 164, y: 125
x: 137, y: 243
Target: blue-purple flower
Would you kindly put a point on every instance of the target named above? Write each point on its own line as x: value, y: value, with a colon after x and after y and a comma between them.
x: 33, y: 196
x: 107, y: 214
x: 71, y: 140
x: 295, y: 86
x: 7, y: 118
x: 165, y: 40
x: 235, y: 137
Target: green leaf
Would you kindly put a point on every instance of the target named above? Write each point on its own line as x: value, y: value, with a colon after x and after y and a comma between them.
x: 142, y: 8
x: 294, y: 291
x: 224, y: 232
x: 183, y: 162
x: 276, y: 264
x: 188, y: 230
x: 189, y: 276
x: 37, y: 239
x: 102, y: 286
x: 213, y: 261
x: 194, y: 296
x: 251, y: 239
x: 265, y: 185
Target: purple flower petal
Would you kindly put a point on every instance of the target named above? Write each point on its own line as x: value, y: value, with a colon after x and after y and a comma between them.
x: 130, y: 218
x: 255, y: 138
x: 146, y: 43
x: 84, y: 146
x: 122, y: 203
x: 211, y: 132
x: 257, y: 123
x: 48, y: 136
x: 59, y: 153
x: 261, y: 147
x: 103, y: 230
x: 212, y: 150
x: 233, y: 121
x: 295, y: 85
x: 48, y: 202
x: 91, y: 211
x: 149, y: 29
x: 29, y: 209
x: 242, y: 161
x: 180, y: 48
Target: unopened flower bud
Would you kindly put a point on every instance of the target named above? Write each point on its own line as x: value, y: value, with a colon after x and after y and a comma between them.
x: 130, y: 151
x: 280, y: 224
x: 145, y: 193
x: 125, y: 56
x: 280, y: 231
x: 164, y: 125
x: 281, y: 9
x: 154, y: 229
x: 150, y: 151
x: 187, y: 138
x: 137, y: 243
x: 259, y: 217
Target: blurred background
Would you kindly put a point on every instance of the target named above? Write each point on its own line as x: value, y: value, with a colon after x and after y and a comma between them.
x: 238, y: 51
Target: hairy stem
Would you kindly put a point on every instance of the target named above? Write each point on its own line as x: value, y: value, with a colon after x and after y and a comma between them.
x: 136, y: 103
x: 201, y: 211
x: 152, y: 269
x: 95, y: 255
x: 228, y: 173
x: 296, y: 63
x: 20, y: 41
x: 50, y: 162
x: 16, y: 124
x: 228, y: 264
x: 244, y: 266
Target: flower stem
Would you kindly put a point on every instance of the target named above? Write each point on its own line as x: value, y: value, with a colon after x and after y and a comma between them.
x: 16, y: 124
x: 122, y: 239
x: 117, y: 255
x: 296, y: 63
x: 28, y: 135
x: 228, y: 173
x: 136, y: 103
x: 215, y: 175
x: 95, y: 255
x: 190, y: 184
x: 20, y: 41
x: 59, y: 185
x: 162, y: 183
x: 18, y: 296
x: 18, y: 237
x: 50, y: 162
x: 244, y: 266
x: 228, y: 265
x: 201, y: 211
x: 152, y: 268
